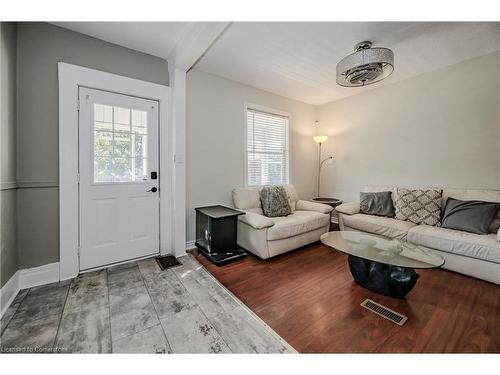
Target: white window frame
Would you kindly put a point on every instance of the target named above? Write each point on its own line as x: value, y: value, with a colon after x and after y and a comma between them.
x: 271, y: 111
x: 71, y: 77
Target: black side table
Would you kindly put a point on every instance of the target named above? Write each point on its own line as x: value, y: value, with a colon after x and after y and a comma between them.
x: 216, y: 233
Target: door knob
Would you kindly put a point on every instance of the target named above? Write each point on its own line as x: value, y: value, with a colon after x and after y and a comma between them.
x: 153, y: 190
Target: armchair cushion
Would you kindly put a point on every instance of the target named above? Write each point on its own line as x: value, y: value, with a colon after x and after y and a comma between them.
x: 256, y: 221
x: 313, y: 206
x: 349, y: 208
x: 296, y: 224
x: 245, y: 198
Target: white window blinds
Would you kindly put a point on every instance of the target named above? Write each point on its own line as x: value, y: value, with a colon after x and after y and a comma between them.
x: 267, y: 148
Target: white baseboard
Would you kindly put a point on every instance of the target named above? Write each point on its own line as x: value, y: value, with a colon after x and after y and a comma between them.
x: 190, y: 245
x: 27, y: 278
x: 8, y: 292
x: 46, y: 274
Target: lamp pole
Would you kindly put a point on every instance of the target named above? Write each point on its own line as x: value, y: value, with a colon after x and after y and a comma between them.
x: 319, y: 167
x: 320, y: 139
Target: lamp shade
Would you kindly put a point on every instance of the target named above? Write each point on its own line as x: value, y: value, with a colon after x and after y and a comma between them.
x: 320, y: 138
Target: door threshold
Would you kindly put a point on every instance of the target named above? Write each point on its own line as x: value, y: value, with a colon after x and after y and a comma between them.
x: 118, y: 263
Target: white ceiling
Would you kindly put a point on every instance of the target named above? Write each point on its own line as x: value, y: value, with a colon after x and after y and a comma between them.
x: 297, y: 59
x: 155, y: 38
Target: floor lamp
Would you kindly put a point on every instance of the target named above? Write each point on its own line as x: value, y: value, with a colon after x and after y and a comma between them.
x: 320, y: 139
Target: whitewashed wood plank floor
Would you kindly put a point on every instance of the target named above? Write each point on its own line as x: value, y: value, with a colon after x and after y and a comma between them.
x: 136, y: 308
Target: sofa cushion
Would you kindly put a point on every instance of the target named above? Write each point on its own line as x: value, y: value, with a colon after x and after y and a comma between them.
x: 420, y: 206
x: 297, y: 223
x: 384, y: 226
x: 484, y: 247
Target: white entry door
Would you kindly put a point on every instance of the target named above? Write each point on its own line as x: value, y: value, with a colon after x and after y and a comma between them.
x: 119, y: 178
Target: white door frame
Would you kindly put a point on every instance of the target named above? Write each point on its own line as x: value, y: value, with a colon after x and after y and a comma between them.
x: 71, y: 77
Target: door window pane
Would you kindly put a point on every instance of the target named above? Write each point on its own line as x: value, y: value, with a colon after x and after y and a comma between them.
x: 121, y: 115
x: 103, y: 169
x: 122, y: 168
x: 120, y: 144
x: 103, y: 143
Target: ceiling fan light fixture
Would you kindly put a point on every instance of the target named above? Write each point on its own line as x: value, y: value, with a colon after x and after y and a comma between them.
x: 365, y: 66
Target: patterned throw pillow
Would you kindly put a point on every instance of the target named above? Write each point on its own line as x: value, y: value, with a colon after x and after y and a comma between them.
x: 274, y: 200
x: 420, y: 206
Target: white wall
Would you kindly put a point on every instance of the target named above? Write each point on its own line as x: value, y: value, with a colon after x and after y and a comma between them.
x: 438, y: 129
x: 215, y: 140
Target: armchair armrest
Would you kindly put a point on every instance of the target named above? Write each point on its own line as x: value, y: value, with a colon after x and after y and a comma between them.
x: 349, y: 208
x: 256, y: 221
x: 498, y: 235
x: 313, y: 206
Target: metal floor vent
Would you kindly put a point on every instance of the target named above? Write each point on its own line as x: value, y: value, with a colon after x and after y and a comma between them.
x: 384, y: 312
x: 167, y: 261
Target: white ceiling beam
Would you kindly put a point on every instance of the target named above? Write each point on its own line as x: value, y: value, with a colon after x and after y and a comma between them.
x: 195, y: 42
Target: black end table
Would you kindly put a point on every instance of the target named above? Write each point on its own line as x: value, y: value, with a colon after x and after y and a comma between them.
x: 216, y: 233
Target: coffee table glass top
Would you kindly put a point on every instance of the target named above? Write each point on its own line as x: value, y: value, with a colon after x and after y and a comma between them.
x: 382, y: 250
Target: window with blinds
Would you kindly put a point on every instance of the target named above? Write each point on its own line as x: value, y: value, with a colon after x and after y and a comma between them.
x: 267, y: 148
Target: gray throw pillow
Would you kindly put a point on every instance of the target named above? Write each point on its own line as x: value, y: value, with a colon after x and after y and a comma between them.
x: 469, y: 216
x: 379, y: 203
x: 274, y: 200
x: 495, y: 224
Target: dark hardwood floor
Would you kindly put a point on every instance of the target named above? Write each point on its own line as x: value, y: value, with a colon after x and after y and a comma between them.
x: 309, y: 298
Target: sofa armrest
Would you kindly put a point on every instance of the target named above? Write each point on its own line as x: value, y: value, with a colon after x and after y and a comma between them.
x: 349, y: 208
x: 313, y: 206
x: 256, y: 221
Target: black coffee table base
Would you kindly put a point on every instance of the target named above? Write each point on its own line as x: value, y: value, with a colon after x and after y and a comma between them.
x: 390, y: 281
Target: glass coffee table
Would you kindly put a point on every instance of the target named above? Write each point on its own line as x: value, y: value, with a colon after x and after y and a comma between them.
x: 380, y: 264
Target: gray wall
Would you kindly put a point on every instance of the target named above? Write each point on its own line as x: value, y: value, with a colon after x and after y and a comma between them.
x: 438, y: 129
x: 40, y: 47
x: 215, y: 147
x: 8, y: 193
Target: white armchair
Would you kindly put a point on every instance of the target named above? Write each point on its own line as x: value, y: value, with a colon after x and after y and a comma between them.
x: 267, y: 237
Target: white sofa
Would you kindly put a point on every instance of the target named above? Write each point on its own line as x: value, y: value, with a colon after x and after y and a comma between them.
x: 267, y: 237
x: 467, y: 253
